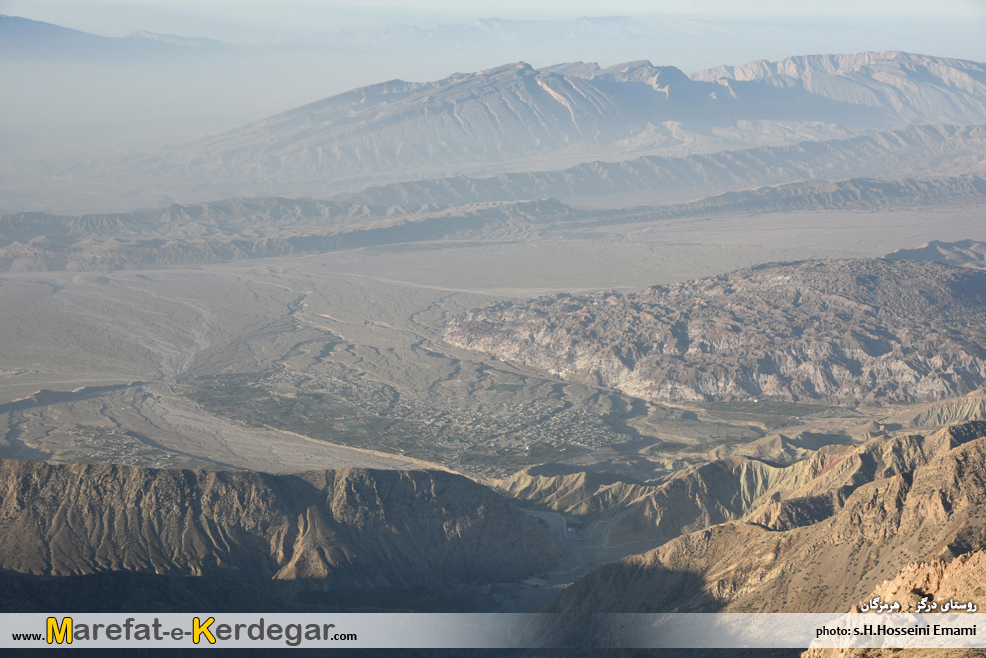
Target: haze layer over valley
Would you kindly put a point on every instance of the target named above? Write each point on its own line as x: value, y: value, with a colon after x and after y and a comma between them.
x: 517, y: 118
x: 565, y: 337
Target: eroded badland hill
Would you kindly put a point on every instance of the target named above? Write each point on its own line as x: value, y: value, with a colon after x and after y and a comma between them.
x: 860, y: 330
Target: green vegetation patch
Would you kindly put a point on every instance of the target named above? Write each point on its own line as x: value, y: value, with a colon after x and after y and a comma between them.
x: 371, y: 415
x: 771, y: 414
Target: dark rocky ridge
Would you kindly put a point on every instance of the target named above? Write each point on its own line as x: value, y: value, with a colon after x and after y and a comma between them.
x: 332, y: 530
x: 846, y: 331
x: 236, y: 229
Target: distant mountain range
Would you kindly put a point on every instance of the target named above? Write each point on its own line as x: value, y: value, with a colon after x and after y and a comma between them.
x: 846, y: 194
x: 964, y: 253
x: 25, y: 39
x: 568, y: 131
x: 237, y: 229
x: 515, y: 113
x: 692, y: 43
x: 913, y: 87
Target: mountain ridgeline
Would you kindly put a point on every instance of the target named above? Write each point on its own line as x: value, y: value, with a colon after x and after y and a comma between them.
x: 846, y: 331
x: 237, y: 229
x: 917, y: 151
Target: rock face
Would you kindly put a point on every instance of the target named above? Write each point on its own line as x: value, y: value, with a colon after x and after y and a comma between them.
x: 852, y: 330
x: 932, y: 512
x: 350, y: 528
x: 963, y: 579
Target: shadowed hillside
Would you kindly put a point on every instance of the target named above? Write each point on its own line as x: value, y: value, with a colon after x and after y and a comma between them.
x: 347, y: 529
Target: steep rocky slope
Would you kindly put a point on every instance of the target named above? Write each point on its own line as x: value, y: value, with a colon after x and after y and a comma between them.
x: 934, y: 511
x: 852, y: 330
x: 628, y: 511
x: 962, y: 579
x: 351, y: 528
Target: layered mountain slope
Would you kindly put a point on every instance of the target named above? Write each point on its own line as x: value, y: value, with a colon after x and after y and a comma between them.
x: 515, y: 112
x: 937, y: 414
x: 243, y: 228
x: 692, y: 499
x: 351, y: 528
x: 853, y: 330
x: 825, y: 481
x: 915, y: 87
x: 916, y: 150
x: 963, y: 253
x: 931, y: 512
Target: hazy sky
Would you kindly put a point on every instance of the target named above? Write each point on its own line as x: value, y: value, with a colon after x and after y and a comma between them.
x: 134, y: 103
x: 284, y: 19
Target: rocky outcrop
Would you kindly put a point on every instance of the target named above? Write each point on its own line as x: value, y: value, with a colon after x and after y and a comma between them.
x: 962, y: 579
x: 944, y: 412
x: 932, y: 512
x: 352, y: 528
x: 846, y: 331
